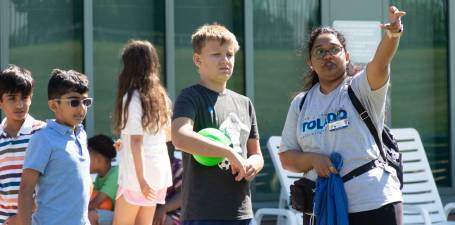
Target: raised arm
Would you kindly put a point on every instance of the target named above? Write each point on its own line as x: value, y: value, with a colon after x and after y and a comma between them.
x: 378, y: 68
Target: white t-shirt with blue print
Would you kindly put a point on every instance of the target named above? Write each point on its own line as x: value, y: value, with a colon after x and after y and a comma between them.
x: 308, y: 130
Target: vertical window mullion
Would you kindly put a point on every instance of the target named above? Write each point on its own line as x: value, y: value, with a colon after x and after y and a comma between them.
x: 88, y: 61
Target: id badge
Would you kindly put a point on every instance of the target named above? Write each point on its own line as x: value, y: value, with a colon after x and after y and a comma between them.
x: 339, y: 124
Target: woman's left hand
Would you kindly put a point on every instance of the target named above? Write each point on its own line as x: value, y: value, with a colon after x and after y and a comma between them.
x: 394, y: 24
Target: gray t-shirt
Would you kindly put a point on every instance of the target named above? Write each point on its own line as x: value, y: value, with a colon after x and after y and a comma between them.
x: 211, y: 193
x: 308, y: 130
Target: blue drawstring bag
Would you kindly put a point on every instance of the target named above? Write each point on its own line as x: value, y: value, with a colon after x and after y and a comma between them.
x: 331, y: 204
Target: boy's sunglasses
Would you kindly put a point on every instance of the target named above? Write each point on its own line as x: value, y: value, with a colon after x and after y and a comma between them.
x: 87, y: 102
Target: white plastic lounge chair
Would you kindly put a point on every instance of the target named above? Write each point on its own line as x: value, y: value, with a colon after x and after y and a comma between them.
x: 286, y: 215
x: 422, y: 204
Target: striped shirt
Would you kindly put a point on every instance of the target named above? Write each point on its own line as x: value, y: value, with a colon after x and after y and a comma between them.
x: 12, y: 152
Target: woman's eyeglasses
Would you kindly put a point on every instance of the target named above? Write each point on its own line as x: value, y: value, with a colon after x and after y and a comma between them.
x: 87, y: 102
x: 319, y: 53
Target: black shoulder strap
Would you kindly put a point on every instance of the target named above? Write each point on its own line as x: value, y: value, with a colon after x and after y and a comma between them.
x: 302, y: 101
x: 366, y: 119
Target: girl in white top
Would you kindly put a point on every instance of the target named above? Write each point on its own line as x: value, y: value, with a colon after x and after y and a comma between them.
x: 308, y: 137
x: 142, y: 115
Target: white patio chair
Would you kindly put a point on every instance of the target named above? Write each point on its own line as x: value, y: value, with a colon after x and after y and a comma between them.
x: 422, y: 204
x: 286, y: 215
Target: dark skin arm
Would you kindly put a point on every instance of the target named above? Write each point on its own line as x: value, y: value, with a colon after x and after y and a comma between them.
x: 298, y: 161
x: 378, y: 68
x: 171, y: 205
x: 12, y: 220
x: 97, y: 201
x: 29, y: 180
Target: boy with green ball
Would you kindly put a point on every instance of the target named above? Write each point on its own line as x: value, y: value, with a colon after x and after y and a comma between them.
x: 217, y: 194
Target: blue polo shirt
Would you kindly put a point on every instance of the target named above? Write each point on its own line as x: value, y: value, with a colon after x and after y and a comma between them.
x: 62, y: 192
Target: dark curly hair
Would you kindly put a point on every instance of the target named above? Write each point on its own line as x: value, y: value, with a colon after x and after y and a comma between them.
x: 66, y: 81
x: 312, y: 77
x: 103, y: 145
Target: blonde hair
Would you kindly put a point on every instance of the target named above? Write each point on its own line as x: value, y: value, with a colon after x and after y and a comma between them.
x: 212, y: 32
x: 140, y: 72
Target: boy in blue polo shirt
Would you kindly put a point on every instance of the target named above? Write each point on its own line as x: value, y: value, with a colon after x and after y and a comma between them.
x: 57, y: 161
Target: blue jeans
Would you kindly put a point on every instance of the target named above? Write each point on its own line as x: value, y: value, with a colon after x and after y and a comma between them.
x: 218, y: 222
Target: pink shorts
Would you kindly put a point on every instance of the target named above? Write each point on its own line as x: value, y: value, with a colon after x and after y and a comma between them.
x: 137, y: 198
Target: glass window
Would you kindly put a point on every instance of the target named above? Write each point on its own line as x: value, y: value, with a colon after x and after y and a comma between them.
x: 45, y: 35
x: 280, y: 30
x: 420, y: 96
x: 114, y: 23
x: 191, y: 14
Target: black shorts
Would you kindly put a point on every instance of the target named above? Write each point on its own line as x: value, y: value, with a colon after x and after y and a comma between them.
x: 218, y: 222
x: 390, y: 214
